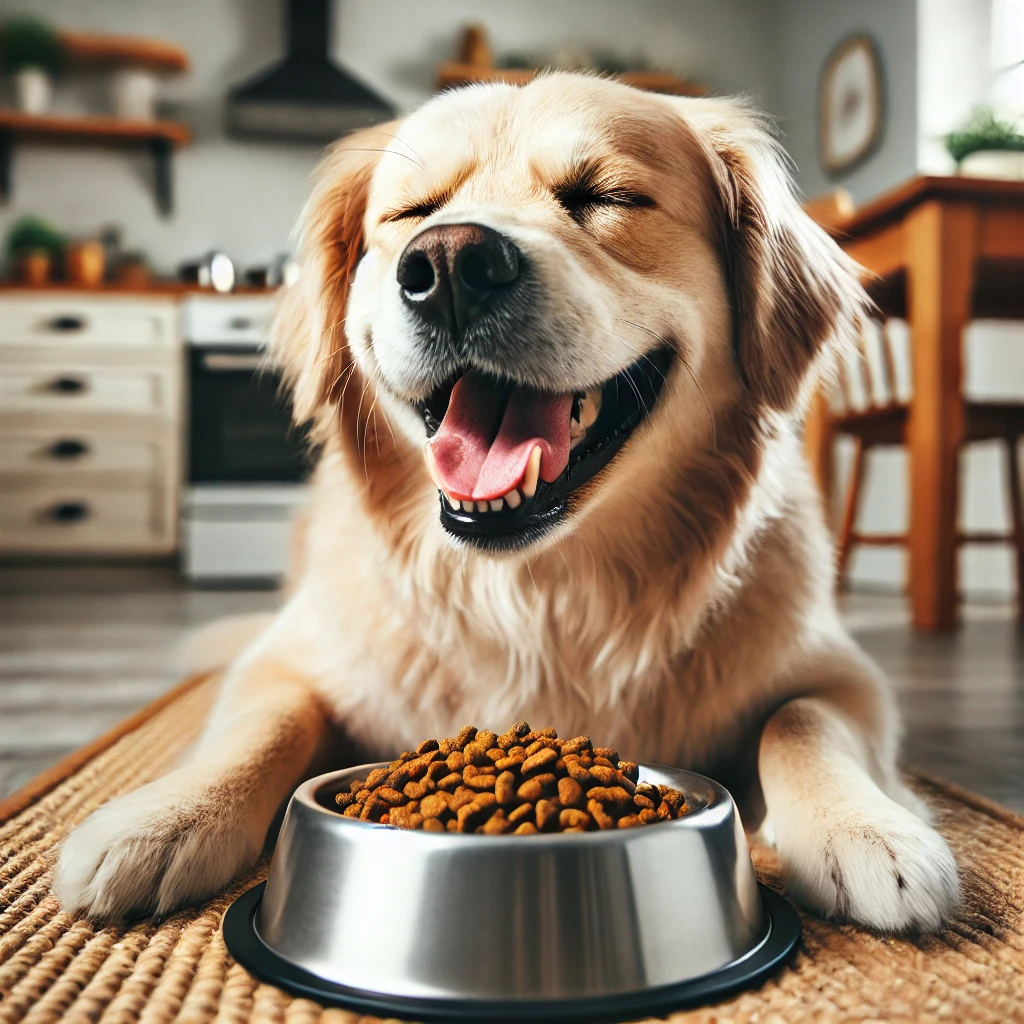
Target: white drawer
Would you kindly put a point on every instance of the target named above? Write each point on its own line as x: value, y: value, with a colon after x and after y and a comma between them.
x: 80, y: 518
x: 73, y: 450
x: 51, y: 389
x: 227, y: 319
x: 82, y: 320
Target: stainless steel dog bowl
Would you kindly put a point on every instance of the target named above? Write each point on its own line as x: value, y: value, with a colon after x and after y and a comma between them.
x: 450, y: 926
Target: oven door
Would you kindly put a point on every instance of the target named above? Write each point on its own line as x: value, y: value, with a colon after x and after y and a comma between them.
x: 240, y: 423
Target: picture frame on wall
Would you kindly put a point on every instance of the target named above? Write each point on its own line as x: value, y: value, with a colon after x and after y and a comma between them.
x: 851, y: 103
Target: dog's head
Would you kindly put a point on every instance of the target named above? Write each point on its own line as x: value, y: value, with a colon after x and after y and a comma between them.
x: 560, y: 293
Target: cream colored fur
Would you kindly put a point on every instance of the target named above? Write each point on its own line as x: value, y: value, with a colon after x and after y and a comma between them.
x: 684, y: 613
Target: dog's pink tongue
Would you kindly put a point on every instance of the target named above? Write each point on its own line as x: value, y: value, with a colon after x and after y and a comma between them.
x: 484, y: 442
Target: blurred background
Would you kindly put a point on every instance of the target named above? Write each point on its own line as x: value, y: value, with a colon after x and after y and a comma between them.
x: 153, y: 159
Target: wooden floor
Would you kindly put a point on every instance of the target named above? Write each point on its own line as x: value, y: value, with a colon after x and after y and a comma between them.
x: 82, y: 647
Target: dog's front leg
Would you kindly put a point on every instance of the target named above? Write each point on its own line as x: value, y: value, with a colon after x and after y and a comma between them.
x: 848, y: 849
x: 181, y: 838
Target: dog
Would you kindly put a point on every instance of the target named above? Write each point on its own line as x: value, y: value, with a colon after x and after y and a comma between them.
x: 555, y: 342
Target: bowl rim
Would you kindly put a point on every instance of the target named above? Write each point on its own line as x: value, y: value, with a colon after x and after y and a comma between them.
x: 714, y: 812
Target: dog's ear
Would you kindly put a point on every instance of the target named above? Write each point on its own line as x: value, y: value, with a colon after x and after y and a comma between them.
x: 308, y: 337
x: 795, y: 294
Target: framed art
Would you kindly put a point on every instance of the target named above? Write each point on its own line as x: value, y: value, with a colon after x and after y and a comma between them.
x: 851, y: 101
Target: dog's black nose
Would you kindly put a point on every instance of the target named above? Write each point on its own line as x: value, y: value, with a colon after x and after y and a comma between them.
x: 452, y: 272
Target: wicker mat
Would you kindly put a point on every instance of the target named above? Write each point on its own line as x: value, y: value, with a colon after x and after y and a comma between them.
x: 54, y: 967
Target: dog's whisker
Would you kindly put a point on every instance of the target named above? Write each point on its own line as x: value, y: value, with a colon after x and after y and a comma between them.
x: 392, y: 152
x: 389, y: 135
x: 689, y: 370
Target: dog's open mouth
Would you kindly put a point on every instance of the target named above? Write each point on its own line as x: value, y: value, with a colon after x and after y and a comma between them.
x: 505, y: 457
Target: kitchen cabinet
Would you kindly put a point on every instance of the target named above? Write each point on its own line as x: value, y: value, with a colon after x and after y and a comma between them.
x: 91, y: 423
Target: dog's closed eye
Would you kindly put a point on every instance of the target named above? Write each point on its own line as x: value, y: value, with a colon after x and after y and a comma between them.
x: 584, y: 190
x: 419, y: 210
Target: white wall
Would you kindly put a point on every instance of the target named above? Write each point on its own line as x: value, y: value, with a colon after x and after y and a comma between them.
x: 244, y: 197
x: 809, y: 29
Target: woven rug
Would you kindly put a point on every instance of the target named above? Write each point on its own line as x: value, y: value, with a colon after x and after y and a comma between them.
x: 53, y: 967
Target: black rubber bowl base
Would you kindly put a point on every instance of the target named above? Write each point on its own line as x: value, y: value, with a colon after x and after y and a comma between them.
x: 251, y: 952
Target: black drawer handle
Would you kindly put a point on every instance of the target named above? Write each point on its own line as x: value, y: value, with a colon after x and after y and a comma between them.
x: 67, y: 385
x: 240, y: 323
x: 68, y: 512
x: 68, y: 449
x: 66, y: 324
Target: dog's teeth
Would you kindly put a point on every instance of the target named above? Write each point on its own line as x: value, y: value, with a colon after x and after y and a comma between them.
x: 532, y: 473
x: 576, y: 441
x: 513, y: 499
x: 468, y: 506
x: 497, y: 504
x: 428, y: 457
x: 575, y: 430
x: 482, y: 506
x: 454, y: 502
x: 590, y: 406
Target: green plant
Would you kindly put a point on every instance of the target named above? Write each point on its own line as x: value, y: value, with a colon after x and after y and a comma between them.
x: 984, y: 131
x: 30, y: 42
x: 33, y: 234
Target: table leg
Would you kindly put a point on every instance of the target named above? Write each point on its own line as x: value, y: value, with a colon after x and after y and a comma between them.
x: 941, y: 250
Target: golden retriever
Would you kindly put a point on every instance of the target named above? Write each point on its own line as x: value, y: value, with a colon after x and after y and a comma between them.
x: 556, y: 341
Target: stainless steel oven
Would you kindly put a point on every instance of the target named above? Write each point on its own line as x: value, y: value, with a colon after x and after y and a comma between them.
x: 247, y: 463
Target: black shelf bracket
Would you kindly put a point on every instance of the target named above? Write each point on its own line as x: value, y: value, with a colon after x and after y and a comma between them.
x: 6, y: 147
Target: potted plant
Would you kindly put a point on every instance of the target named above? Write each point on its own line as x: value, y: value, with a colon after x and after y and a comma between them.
x: 33, y: 52
x: 988, y: 147
x: 32, y: 247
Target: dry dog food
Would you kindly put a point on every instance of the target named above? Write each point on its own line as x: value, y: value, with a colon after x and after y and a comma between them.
x: 522, y: 782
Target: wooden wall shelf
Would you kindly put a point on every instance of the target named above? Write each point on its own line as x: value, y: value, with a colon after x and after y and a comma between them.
x: 452, y: 75
x: 123, y: 51
x: 160, y: 137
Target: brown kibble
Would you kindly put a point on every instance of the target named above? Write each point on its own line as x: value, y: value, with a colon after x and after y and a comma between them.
x: 538, y: 760
x: 547, y: 814
x: 476, y: 754
x: 505, y: 788
x: 573, y: 818
x: 521, y: 813
x: 435, y: 805
x: 510, y: 763
x: 577, y: 771
x: 496, y: 824
x: 600, y: 815
x: 472, y: 814
x: 575, y: 745
x: 614, y: 795
x: 570, y: 793
x: 520, y: 782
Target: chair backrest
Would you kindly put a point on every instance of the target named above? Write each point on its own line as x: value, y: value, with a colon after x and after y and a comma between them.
x: 876, y: 374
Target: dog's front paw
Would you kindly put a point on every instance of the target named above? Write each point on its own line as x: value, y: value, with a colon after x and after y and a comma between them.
x: 166, y: 844
x: 874, y: 863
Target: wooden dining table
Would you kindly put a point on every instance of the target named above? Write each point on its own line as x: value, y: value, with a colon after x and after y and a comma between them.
x: 940, y: 252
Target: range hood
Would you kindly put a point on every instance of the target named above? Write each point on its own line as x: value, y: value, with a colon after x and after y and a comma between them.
x: 306, y: 96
